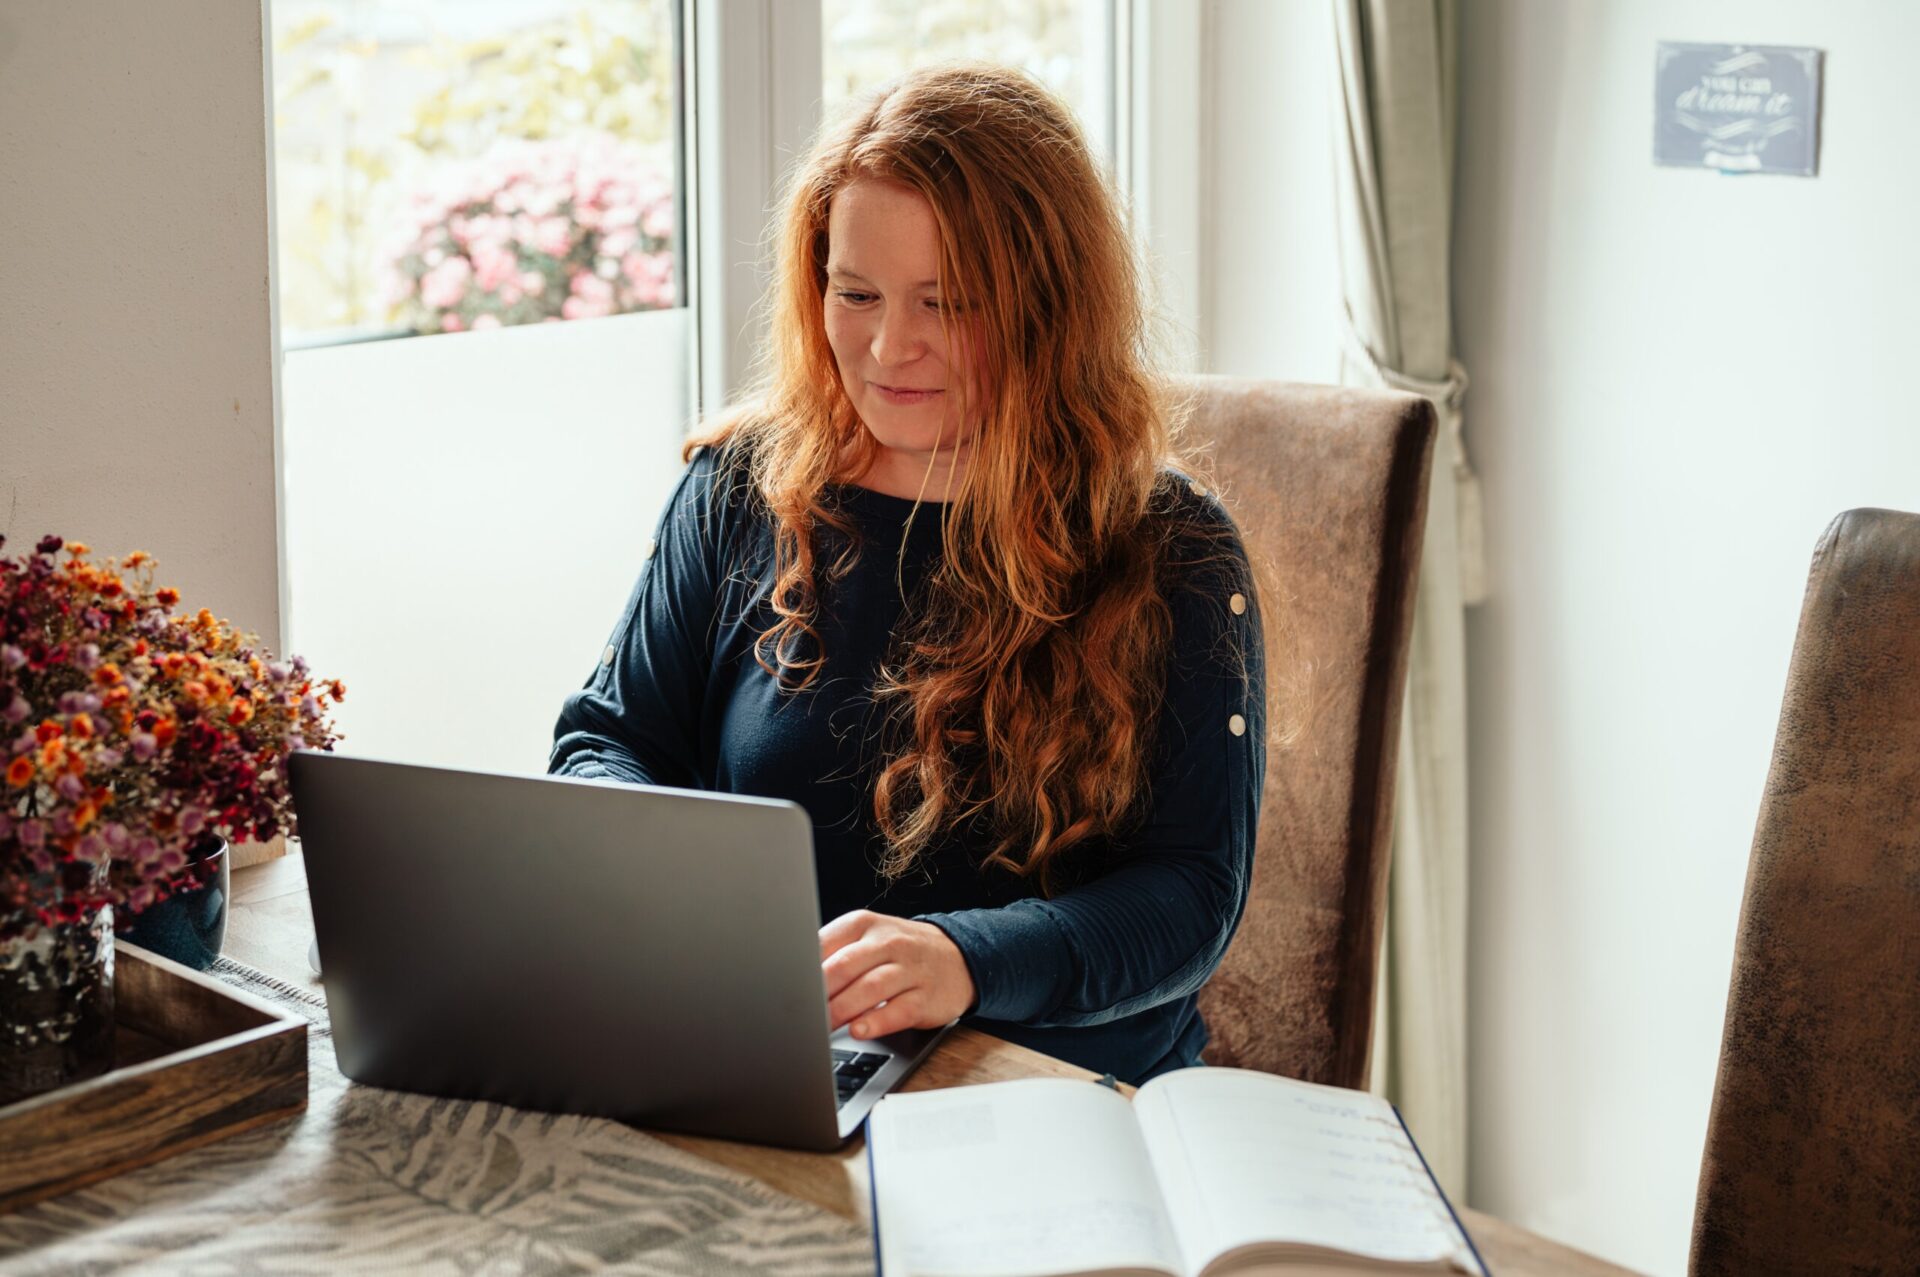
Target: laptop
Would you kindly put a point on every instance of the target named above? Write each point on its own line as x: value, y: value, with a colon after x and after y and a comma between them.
x: 644, y: 954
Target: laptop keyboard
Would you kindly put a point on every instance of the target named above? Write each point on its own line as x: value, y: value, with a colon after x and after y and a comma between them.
x: 853, y: 1070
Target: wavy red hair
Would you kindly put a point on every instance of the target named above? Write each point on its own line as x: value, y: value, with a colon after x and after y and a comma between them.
x: 1024, y: 694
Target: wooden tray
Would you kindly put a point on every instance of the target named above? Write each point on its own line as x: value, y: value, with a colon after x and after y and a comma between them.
x: 196, y: 1061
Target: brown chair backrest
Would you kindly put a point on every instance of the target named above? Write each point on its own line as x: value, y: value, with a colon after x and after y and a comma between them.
x: 1812, y: 1161
x: 1329, y: 487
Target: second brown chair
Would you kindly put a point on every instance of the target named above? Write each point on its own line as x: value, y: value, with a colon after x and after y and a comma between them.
x: 1812, y: 1161
x: 1329, y: 488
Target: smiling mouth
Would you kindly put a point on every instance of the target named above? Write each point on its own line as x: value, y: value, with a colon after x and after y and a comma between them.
x: 908, y: 390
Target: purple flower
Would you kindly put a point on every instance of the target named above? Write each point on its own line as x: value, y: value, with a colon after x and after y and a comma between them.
x: 70, y: 702
x: 12, y: 657
x: 108, y: 758
x: 49, y: 545
x: 92, y: 848
x: 143, y: 746
x: 192, y: 820
x: 19, y: 710
x: 31, y: 833
x: 69, y: 788
x: 63, y: 822
x: 87, y: 656
x: 279, y: 671
x: 116, y: 835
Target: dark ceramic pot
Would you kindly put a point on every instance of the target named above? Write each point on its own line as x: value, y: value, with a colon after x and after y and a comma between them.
x: 189, y: 926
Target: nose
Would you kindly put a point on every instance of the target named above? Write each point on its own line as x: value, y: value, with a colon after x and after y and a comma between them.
x: 894, y: 341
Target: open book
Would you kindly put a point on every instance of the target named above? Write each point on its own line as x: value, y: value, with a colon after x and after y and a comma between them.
x: 1208, y: 1171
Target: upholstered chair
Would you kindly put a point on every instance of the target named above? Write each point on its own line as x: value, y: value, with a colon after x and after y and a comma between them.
x: 1329, y: 488
x: 1812, y: 1162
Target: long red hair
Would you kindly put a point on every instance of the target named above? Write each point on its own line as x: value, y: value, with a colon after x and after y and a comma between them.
x: 1024, y: 693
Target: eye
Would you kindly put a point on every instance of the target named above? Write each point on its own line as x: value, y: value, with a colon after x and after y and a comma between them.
x: 852, y: 298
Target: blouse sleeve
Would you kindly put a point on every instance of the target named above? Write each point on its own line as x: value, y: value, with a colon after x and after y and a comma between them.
x: 1154, y: 926
x: 638, y: 716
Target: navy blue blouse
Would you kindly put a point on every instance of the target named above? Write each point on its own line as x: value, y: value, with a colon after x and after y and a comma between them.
x: 1104, y: 973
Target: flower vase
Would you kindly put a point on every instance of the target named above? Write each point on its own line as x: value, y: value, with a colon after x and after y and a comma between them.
x: 190, y: 925
x: 56, y: 1006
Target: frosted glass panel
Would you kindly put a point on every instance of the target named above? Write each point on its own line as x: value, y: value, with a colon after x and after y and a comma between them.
x: 465, y: 515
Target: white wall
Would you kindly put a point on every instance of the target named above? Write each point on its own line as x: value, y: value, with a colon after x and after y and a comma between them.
x: 1679, y: 378
x: 136, y: 388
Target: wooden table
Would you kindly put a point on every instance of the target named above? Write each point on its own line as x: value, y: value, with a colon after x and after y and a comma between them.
x: 270, y: 927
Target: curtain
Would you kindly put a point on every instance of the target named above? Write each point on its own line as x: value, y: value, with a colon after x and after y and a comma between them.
x: 1393, y: 160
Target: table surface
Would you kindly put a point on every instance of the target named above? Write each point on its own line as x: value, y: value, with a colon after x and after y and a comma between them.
x: 270, y: 926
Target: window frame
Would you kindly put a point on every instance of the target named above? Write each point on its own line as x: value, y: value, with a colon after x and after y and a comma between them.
x: 757, y: 102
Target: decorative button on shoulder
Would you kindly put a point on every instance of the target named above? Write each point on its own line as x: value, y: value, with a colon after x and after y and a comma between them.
x: 606, y: 657
x: 1237, y: 725
x: 649, y: 548
x: 1239, y: 604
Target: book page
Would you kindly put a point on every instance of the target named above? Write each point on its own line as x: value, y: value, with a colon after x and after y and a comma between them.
x: 1040, y: 1176
x: 1247, y: 1158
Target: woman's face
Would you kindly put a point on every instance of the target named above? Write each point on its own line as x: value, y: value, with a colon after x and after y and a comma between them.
x: 883, y: 318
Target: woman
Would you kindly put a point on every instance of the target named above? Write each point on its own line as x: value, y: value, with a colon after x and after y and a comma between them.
x: 938, y: 587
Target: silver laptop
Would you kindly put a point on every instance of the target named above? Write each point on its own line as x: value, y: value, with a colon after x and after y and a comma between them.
x: 582, y: 946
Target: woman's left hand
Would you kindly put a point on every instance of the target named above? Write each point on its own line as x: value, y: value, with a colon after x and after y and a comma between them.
x: 869, y: 958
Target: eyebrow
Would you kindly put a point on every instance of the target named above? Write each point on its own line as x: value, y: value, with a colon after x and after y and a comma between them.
x: 850, y: 274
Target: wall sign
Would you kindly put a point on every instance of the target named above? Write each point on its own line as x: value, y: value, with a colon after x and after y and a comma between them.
x: 1739, y: 108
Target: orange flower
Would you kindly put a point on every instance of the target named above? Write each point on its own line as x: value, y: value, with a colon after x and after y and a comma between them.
x: 111, y: 586
x: 107, y: 675
x: 48, y: 730
x: 138, y: 557
x: 76, y: 764
x: 241, y: 712
x: 139, y: 647
x: 164, y: 731
x: 195, y: 691
x: 83, y: 814
x: 204, y: 619
x: 196, y: 660
x: 166, y: 596
x: 338, y: 689
x: 255, y: 668
x: 172, y: 663
x: 52, y: 754
x: 79, y: 549
x: 20, y: 771
x: 219, y: 687
x: 117, y: 696
x: 81, y: 726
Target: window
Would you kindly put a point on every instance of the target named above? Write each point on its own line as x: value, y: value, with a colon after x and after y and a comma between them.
x: 526, y: 192
x: 1068, y: 45
x: 464, y: 511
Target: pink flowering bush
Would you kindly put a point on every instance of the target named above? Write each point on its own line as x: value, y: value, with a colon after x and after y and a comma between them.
x: 128, y: 735
x: 532, y: 232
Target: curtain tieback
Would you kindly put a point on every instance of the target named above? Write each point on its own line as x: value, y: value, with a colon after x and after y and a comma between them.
x: 1449, y: 397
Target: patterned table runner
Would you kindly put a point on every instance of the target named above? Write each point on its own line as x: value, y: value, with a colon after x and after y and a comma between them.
x: 376, y: 1181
